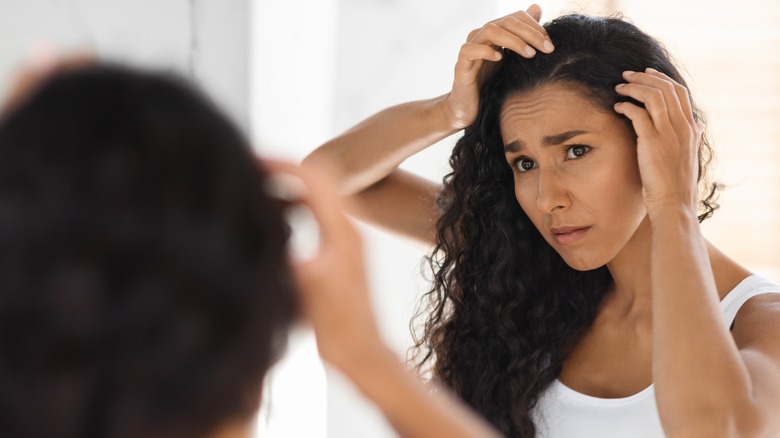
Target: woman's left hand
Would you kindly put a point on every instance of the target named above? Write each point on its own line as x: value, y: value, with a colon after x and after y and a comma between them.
x: 667, y: 139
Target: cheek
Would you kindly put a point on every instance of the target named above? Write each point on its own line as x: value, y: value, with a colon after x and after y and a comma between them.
x: 629, y: 165
x: 622, y: 200
x: 522, y: 194
x: 526, y: 198
x: 627, y: 182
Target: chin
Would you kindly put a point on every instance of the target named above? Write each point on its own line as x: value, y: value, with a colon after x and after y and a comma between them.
x: 582, y: 264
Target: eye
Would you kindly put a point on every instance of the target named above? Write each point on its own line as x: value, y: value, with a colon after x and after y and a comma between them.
x: 523, y: 165
x: 576, y: 151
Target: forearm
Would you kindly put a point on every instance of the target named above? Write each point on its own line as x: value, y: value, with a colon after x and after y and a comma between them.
x: 697, y: 369
x: 410, y: 407
x: 371, y: 150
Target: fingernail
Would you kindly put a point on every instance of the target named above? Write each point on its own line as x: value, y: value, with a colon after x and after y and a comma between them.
x: 627, y: 73
x: 619, y: 86
x: 651, y: 70
x: 530, y: 51
x: 497, y: 56
x: 548, y: 46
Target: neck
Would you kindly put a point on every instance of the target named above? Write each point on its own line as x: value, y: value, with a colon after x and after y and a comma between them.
x: 630, y: 271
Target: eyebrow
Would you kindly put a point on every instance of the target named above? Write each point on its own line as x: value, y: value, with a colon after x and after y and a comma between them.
x: 550, y: 140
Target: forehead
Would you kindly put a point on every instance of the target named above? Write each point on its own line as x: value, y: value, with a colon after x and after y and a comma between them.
x: 551, y: 109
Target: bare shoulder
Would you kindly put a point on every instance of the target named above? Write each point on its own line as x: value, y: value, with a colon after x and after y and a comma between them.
x: 758, y: 322
x: 755, y: 334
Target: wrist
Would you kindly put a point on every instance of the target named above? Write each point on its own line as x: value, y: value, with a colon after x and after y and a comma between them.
x: 675, y: 215
x: 448, y: 115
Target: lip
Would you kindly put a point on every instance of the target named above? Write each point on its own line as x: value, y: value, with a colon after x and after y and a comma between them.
x: 567, y: 235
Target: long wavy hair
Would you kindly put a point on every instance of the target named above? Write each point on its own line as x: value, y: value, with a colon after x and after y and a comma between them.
x: 505, y: 310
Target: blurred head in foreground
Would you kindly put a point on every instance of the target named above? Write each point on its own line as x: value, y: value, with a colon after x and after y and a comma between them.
x: 144, y: 288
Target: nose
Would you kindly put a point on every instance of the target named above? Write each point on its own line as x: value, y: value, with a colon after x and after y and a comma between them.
x: 553, y: 194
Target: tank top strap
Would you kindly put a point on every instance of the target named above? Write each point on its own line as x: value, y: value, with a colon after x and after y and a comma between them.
x: 748, y: 288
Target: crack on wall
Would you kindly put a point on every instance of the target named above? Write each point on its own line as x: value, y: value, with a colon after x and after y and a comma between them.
x: 192, y: 58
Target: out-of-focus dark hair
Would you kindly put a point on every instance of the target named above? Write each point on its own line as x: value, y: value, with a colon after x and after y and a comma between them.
x: 144, y: 288
x: 506, y: 310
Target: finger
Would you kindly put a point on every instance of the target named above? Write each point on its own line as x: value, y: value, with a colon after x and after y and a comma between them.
x: 23, y: 85
x: 535, y: 11
x: 23, y: 81
x: 682, y: 94
x: 42, y: 58
x: 640, y: 118
x: 655, y: 98
x: 495, y: 35
x: 528, y: 28
x: 472, y: 33
x: 471, y: 56
x: 671, y: 97
x: 323, y: 201
x: 47, y: 62
x: 528, y: 18
x: 530, y: 35
x: 41, y: 66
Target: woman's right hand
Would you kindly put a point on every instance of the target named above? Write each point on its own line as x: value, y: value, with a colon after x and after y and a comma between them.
x: 41, y: 66
x: 334, y: 297
x: 332, y: 285
x: 479, y: 57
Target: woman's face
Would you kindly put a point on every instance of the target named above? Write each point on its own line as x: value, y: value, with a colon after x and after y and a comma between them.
x: 575, y: 172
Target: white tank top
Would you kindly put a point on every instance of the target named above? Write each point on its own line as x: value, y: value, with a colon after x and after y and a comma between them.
x: 563, y: 412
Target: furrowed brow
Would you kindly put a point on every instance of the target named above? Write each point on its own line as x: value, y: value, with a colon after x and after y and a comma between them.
x: 557, y: 139
x: 550, y: 140
x: 514, y: 146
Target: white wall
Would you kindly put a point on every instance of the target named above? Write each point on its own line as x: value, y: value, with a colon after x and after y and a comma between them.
x: 302, y: 72
x: 206, y: 40
x: 390, y: 52
x: 318, y: 67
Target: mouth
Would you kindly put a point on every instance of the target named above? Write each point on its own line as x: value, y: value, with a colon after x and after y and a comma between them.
x: 567, y: 235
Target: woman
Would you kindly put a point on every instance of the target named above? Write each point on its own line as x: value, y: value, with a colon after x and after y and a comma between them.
x: 574, y: 294
x: 146, y: 283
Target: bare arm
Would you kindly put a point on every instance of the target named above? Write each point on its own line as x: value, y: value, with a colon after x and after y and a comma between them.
x: 364, y: 160
x: 706, y: 383
x: 410, y: 406
x: 334, y: 299
x: 364, y: 164
x: 373, y: 149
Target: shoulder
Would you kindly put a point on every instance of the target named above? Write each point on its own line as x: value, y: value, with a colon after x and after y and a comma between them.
x: 758, y: 320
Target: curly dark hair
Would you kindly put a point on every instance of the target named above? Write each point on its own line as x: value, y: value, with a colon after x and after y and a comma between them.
x: 143, y: 285
x: 505, y: 310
